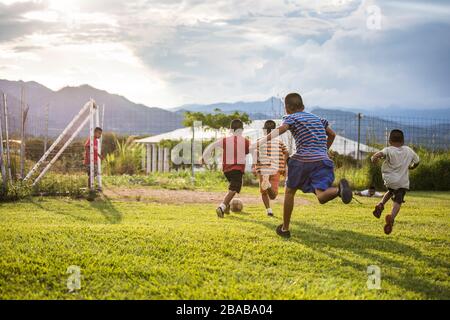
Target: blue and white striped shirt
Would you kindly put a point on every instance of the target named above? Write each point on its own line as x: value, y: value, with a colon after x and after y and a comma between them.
x: 310, y: 136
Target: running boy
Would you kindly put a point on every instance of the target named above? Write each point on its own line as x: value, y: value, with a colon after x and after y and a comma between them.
x: 271, y: 163
x: 234, y: 151
x: 309, y: 169
x: 398, y: 159
x: 87, y: 147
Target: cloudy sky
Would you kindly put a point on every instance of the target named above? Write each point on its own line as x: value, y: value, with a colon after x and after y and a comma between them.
x: 166, y: 53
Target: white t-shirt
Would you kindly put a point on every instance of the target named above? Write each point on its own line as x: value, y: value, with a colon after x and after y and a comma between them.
x: 395, y: 168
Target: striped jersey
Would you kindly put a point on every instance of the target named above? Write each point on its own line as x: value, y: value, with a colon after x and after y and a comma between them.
x: 310, y: 136
x: 270, y: 157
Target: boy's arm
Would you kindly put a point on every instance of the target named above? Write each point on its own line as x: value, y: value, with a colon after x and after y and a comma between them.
x: 331, y: 136
x: 414, y: 165
x: 377, y: 156
x: 415, y: 161
x: 275, y: 133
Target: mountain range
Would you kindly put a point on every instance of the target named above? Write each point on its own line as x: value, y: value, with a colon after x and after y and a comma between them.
x: 123, y: 116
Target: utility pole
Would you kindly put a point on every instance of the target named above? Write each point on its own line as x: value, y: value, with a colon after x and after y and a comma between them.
x: 359, y: 137
x: 8, y: 150
x: 24, y: 112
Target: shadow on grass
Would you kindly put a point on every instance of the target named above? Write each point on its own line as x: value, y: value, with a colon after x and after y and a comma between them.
x: 104, y: 206
x: 322, y: 239
x: 107, y: 209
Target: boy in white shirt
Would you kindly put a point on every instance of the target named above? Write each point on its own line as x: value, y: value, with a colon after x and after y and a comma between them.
x: 398, y: 160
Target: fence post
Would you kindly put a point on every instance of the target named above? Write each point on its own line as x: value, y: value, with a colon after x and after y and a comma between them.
x: 2, y: 160
x: 46, y: 127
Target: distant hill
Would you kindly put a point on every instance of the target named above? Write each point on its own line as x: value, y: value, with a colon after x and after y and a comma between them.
x: 422, y: 127
x: 121, y: 116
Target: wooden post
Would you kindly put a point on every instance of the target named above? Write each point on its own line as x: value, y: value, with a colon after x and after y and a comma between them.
x: 166, y: 160
x: 154, y: 158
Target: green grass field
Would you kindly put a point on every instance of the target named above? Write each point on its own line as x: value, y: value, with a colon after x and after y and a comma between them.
x: 138, y: 250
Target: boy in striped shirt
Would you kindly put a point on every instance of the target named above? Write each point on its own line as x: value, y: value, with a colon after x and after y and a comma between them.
x: 309, y: 169
x: 271, y: 163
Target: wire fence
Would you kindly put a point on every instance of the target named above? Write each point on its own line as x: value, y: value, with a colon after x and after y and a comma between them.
x: 358, y: 134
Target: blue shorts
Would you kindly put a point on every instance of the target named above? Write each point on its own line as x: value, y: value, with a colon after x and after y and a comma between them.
x: 309, y: 176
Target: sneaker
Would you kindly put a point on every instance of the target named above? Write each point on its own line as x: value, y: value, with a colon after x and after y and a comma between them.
x: 265, y: 184
x: 345, y: 192
x: 220, y: 212
x: 282, y: 233
x: 270, y: 213
x: 227, y: 210
x: 378, y: 210
x: 389, y: 224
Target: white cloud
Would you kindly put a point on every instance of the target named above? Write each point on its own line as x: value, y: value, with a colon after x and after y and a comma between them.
x: 173, y: 52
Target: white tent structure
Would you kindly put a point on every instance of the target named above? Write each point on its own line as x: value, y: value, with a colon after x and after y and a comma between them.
x: 252, y: 131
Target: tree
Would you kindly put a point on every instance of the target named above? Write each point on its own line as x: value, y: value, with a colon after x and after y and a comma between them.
x: 216, y: 120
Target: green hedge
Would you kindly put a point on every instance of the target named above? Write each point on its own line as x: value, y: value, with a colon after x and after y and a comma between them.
x: 433, y: 173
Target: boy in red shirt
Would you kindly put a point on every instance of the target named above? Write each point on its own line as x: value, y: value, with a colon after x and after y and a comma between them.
x: 235, y: 148
x: 87, y: 147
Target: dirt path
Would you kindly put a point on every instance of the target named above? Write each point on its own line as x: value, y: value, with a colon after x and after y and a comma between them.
x: 181, y: 196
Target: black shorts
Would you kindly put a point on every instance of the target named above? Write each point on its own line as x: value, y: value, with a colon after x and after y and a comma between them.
x: 398, y: 195
x: 234, y: 177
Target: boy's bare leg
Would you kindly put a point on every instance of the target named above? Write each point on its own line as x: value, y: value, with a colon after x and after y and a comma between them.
x: 380, y: 206
x: 289, y: 196
x: 266, y: 200
x: 390, y: 218
x: 230, y: 195
x: 395, y: 209
x: 387, y: 196
x: 327, y: 195
x: 271, y: 193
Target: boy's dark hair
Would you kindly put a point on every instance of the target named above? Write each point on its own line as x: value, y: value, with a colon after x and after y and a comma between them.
x: 98, y: 129
x: 294, y: 101
x: 236, y: 124
x: 269, y: 125
x: 396, y: 136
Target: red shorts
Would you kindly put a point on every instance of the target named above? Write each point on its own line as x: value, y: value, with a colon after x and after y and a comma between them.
x: 274, y: 181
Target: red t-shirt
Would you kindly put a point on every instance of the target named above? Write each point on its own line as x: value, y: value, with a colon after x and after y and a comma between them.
x: 87, y: 147
x: 235, y: 148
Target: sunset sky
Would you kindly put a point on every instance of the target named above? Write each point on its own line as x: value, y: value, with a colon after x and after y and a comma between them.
x: 167, y: 53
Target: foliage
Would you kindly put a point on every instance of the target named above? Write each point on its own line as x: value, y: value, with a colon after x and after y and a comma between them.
x: 216, y: 121
x: 433, y: 173
x: 126, y: 159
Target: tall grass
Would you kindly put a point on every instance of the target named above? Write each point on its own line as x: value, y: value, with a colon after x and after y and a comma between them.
x: 126, y: 158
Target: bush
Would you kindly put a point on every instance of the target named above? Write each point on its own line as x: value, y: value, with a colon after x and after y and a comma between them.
x: 433, y: 173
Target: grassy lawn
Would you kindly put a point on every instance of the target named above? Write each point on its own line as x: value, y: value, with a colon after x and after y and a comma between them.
x: 136, y: 250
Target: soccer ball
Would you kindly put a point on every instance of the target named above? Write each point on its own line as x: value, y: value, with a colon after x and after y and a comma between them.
x: 236, y: 205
